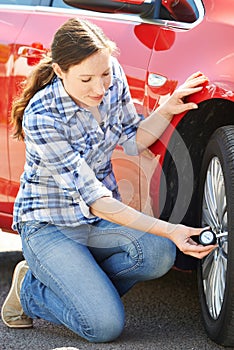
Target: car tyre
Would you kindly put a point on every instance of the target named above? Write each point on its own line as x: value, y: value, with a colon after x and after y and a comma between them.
x: 216, y: 271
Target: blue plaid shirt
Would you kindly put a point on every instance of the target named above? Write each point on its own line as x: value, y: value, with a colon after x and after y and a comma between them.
x: 68, y: 154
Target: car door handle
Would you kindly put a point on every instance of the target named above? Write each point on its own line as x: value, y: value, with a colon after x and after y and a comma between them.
x: 33, y: 53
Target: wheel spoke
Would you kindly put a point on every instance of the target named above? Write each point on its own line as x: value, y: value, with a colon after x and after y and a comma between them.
x: 209, y: 207
x: 214, y: 283
x: 207, y: 264
x: 221, y: 197
x: 214, y: 292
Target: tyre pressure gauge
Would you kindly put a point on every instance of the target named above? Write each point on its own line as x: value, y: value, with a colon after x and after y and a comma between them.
x: 207, y: 237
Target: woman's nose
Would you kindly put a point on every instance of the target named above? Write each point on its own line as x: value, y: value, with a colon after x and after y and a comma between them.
x: 99, y: 87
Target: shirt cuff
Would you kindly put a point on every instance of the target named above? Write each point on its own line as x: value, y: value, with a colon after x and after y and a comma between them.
x: 85, y: 206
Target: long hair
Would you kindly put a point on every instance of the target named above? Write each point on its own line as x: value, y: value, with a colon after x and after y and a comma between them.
x: 73, y: 42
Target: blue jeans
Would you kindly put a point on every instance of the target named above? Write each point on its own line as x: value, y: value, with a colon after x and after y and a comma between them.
x: 78, y: 275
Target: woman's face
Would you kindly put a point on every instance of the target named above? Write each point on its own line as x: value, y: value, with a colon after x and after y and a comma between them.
x: 88, y: 81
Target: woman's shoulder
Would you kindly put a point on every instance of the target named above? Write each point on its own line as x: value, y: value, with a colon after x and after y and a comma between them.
x: 50, y: 106
x: 40, y: 99
x: 48, y: 99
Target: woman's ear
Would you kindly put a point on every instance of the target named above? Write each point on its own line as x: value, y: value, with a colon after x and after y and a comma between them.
x: 57, y: 70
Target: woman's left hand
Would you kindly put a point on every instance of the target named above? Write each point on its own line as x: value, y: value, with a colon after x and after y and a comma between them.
x: 177, y: 101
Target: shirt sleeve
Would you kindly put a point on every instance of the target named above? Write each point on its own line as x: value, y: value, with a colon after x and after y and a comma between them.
x: 129, y: 117
x: 54, y: 156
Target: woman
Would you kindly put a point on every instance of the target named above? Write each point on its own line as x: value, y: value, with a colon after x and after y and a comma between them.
x: 84, y: 248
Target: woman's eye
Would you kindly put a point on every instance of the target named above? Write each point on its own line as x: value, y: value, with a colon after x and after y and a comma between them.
x: 89, y: 79
x: 86, y: 80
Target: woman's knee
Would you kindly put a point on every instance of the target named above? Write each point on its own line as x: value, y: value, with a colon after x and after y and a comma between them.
x: 107, y: 331
x: 100, y: 320
x: 159, y: 256
x: 167, y: 258
x: 105, y: 328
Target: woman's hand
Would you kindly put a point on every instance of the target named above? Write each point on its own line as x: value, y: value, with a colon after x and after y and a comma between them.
x: 181, y: 236
x: 151, y: 128
x: 177, y: 101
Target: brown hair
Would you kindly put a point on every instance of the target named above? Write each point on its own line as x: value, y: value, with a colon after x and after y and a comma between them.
x: 73, y: 42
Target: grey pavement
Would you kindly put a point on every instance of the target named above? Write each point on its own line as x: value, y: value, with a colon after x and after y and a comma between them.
x: 160, y: 315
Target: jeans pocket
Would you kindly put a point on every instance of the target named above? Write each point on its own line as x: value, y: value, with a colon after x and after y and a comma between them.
x: 30, y: 228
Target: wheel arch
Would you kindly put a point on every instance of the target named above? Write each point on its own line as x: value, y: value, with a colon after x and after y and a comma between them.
x: 195, y: 130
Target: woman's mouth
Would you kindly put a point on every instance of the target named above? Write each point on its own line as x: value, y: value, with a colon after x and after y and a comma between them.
x: 96, y: 98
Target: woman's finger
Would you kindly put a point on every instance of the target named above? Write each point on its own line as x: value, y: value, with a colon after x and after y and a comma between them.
x: 193, y: 83
x: 195, y: 75
x: 198, y: 250
x: 186, y: 91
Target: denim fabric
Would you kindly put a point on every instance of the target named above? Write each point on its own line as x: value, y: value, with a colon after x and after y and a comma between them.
x: 78, y: 274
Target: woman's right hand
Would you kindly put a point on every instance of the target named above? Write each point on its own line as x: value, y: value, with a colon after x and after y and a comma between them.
x: 182, y: 237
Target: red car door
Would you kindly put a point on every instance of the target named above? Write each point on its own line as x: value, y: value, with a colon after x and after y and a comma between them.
x: 10, y: 25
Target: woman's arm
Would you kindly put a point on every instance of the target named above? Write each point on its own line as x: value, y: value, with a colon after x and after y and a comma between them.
x: 114, y: 211
x: 151, y: 128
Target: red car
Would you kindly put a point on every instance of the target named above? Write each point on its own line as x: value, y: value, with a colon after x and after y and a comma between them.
x: 188, y: 175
